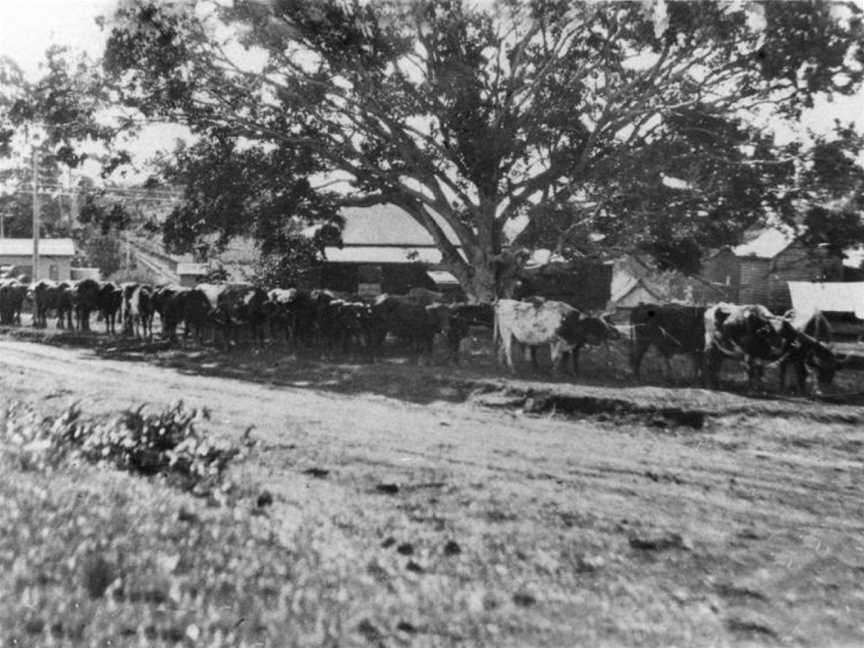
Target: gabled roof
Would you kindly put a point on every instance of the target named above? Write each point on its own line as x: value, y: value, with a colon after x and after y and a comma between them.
x: 47, y: 247
x: 192, y: 269
x: 767, y: 244
x: 382, y: 254
x: 623, y: 285
x: 387, y: 225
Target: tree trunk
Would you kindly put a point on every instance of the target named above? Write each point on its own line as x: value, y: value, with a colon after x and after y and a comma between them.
x: 489, y: 272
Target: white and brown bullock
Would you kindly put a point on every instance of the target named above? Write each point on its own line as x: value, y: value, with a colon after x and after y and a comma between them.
x: 556, y: 324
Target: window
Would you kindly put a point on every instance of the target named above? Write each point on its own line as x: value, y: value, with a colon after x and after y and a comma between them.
x: 53, y: 274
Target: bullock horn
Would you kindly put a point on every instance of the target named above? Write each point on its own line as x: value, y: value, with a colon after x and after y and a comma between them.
x: 726, y: 352
x: 843, y: 360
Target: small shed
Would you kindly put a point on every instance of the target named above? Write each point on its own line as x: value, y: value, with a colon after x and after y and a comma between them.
x: 777, y: 256
x: 191, y: 274
x: 629, y: 292
x: 55, y: 257
x: 85, y: 273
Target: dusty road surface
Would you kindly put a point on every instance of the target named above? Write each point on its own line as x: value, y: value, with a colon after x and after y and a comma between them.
x: 513, y: 529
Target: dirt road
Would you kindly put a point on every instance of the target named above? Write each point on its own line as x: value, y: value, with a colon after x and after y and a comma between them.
x: 570, y: 532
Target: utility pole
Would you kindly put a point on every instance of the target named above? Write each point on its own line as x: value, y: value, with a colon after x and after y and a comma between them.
x: 35, y: 271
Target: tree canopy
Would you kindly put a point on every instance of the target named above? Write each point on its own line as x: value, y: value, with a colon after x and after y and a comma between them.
x: 642, y: 123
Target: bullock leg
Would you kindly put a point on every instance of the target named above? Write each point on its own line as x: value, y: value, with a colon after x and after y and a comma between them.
x: 637, y: 353
x: 507, y: 350
x: 557, y: 353
x: 574, y: 358
x: 754, y: 374
x: 667, y: 364
x: 698, y: 361
x: 712, y: 368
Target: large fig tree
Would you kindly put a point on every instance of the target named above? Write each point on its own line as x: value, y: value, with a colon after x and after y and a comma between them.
x: 643, y: 122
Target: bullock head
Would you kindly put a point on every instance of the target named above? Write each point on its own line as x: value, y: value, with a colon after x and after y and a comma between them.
x: 440, y: 314
x: 612, y: 332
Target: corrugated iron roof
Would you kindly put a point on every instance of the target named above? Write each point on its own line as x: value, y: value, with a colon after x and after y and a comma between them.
x: 382, y: 254
x: 192, y: 269
x: 47, y: 247
x: 442, y: 277
x: 767, y: 244
x: 387, y: 225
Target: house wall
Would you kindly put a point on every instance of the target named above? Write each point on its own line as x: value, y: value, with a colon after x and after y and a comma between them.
x: 395, y: 278
x: 50, y: 267
x: 583, y: 284
x: 763, y: 281
x: 722, y: 273
x: 190, y: 280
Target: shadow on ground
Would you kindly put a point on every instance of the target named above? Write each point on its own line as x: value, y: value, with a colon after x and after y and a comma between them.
x: 603, y: 388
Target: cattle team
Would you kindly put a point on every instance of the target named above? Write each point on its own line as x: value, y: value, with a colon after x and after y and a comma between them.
x: 338, y: 324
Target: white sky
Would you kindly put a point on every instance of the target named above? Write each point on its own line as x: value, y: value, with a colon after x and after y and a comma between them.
x: 29, y: 27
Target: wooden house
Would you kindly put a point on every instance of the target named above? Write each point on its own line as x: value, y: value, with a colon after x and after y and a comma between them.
x: 55, y: 257
x: 774, y: 257
x: 384, y: 250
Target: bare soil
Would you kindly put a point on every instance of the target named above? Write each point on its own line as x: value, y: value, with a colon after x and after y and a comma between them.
x: 524, y: 512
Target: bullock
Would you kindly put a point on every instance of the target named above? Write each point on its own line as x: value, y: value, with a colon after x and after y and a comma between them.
x: 109, y: 302
x: 346, y: 324
x: 294, y: 312
x: 751, y: 331
x: 43, y: 295
x: 462, y: 318
x: 235, y: 305
x: 539, y: 322
x: 408, y: 321
x: 85, y: 301
x: 12, y: 294
x: 47, y: 297
x: 671, y: 329
x: 813, y: 333
x: 138, y: 310
x: 195, y: 308
x: 425, y: 297
x: 169, y: 302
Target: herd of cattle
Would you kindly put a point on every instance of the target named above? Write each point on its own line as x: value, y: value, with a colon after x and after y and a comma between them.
x: 335, y: 323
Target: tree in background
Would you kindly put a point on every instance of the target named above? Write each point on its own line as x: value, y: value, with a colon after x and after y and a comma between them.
x: 104, y: 252
x: 637, y: 116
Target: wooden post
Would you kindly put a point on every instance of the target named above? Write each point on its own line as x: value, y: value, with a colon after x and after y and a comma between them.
x: 35, y: 271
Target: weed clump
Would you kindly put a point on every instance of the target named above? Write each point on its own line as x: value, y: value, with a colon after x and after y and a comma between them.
x: 160, y: 443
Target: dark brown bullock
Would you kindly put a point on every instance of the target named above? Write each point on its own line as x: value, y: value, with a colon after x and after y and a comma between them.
x: 85, y: 301
x: 168, y: 303
x: 346, y: 326
x: 196, y: 312
x: 810, y: 349
x: 51, y: 298
x: 408, y: 321
x: 464, y: 317
x: 109, y: 302
x: 671, y: 329
x: 12, y: 294
x: 751, y: 332
x: 293, y: 314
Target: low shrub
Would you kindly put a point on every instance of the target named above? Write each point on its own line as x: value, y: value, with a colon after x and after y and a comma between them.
x: 167, y: 443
